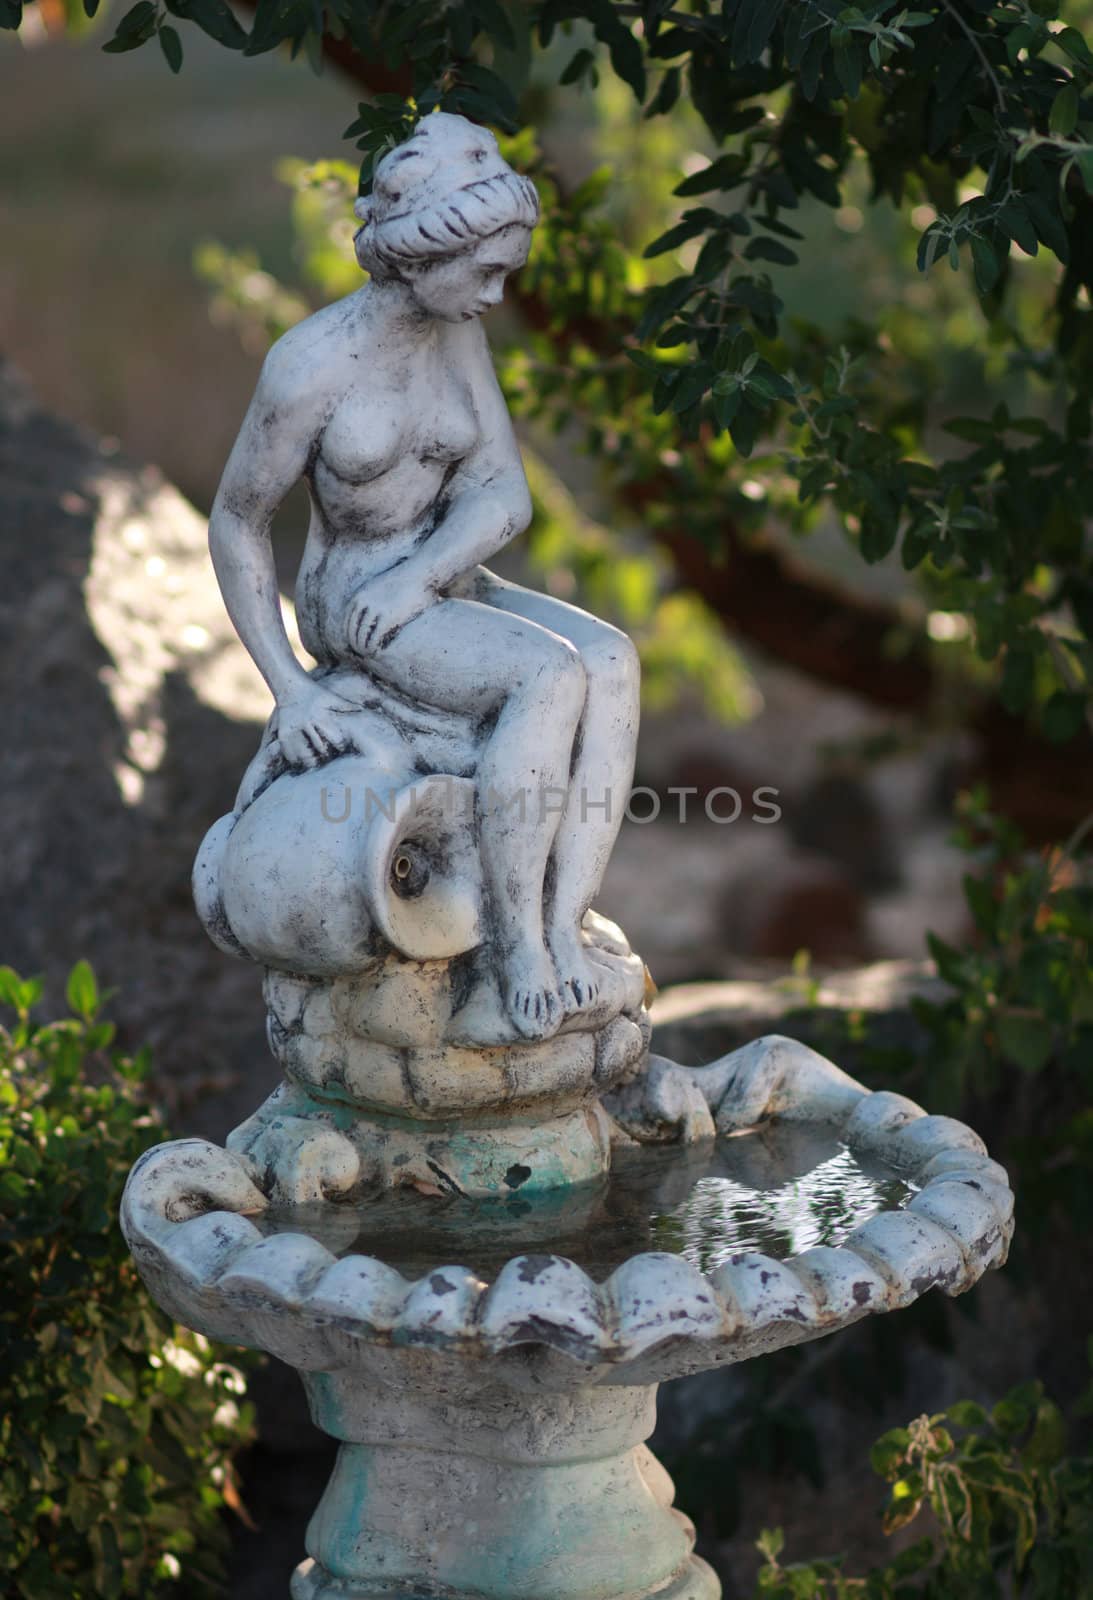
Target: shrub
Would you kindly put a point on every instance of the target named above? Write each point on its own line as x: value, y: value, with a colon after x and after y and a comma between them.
x: 1010, y: 1514
x: 117, y: 1429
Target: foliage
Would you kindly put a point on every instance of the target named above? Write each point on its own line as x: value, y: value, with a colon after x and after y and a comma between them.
x: 1011, y: 1043
x: 1023, y: 992
x: 1020, y: 1001
x: 117, y: 1430
x: 1011, y: 1514
x: 971, y: 119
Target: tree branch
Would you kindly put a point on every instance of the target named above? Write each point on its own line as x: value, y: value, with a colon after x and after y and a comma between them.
x: 371, y: 76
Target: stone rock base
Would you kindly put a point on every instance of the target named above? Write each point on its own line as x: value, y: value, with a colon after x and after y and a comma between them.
x: 300, y: 1148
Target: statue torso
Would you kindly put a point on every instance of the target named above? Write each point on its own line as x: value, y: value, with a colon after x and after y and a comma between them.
x: 401, y: 420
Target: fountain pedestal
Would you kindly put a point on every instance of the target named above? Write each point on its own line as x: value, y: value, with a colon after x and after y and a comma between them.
x: 552, y: 1494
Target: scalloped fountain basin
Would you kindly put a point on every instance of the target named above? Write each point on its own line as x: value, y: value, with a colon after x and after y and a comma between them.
x: 779, y: 1190
x: 492, y: 1414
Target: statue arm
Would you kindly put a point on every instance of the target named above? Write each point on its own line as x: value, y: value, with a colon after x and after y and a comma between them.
x: 269, y: 457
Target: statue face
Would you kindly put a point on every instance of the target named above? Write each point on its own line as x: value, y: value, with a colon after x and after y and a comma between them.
x: 464, y: 286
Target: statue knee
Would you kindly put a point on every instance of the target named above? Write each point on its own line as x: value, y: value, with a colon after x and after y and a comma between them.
x: 556, y: 678
x: 612, y: 665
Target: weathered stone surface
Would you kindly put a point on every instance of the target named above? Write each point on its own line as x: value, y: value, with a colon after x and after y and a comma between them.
x: 136, y: 708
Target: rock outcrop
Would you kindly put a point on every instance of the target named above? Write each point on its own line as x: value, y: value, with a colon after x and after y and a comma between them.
x: 130, y: 710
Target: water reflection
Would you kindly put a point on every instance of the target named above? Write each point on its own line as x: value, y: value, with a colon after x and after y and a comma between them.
x: 777, y: 1189
x: 722, y: 1215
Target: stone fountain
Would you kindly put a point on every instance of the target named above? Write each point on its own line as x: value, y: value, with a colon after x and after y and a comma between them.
x: 478, y: 1216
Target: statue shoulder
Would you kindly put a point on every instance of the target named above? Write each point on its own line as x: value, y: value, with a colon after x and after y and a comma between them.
x: 472, y: 354
x: 307, y: 361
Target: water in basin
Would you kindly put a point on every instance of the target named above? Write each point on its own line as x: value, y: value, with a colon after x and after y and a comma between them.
x: 779, y: 1189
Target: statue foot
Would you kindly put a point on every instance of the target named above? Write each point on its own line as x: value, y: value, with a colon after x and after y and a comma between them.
x: 533, y: 997
x: 586, y: 983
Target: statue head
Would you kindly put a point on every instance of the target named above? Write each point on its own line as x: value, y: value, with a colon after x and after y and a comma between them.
x: 448, y: 217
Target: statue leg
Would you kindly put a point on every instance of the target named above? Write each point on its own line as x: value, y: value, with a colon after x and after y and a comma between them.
x: 463, y: 656
x: 599, y: 786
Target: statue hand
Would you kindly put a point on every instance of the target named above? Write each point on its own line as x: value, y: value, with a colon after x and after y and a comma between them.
x: 385, y: 605
x: 308, y: 726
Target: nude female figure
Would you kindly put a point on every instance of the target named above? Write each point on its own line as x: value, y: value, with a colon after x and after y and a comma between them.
x: 386, y: 405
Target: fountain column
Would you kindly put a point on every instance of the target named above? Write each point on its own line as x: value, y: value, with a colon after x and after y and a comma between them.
x: 550, y: 1494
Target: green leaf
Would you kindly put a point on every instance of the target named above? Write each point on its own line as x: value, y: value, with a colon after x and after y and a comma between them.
x: 106, y: 1556
x: 171, y: 45
x: 1075, y: 46
x: 1027, y: 1041
x: 770, y: 250
x: 82, y: 991
x: 137, y: 19
x: 667, y: 95
x: 724, y: 173
x: 979, y: 893
x: 495, y: 91
x: 1048, y: 224
x: 754, y: 25
x: 1018, y: 679
x: 1014, y: 221
x: 135, y: 28
x: 726, y: 403
x: 877, y: 537
x: 673, y: 238
x: 973, y: 429
x: 889, y: 1452
x: 496, y: 22
x: 770, y: 383
x: 949, y: 962
x: 714, y: 257
x: 663, y: 303
x: 663, y: 390
x: 627, y: 56
x: 646, y: 362
x: 967, y: 1414
x: 691, y: 387
x: 914, y: 1559
x: 1047, y: 1443
x: 1063, y: 117
x: 929, y: 247
x: 770, y: 1544
x: 1012, y: 1415
x: 1063, y: 716
x: 578, y: 67
x: 916, y: 546
x: 988, y: 264
x: 744, y: 428
x: 215, y: 18
x: 11, y: 988
x: 848, y: 65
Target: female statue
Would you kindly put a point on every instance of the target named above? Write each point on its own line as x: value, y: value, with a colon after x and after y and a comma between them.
x: 386, y: 405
